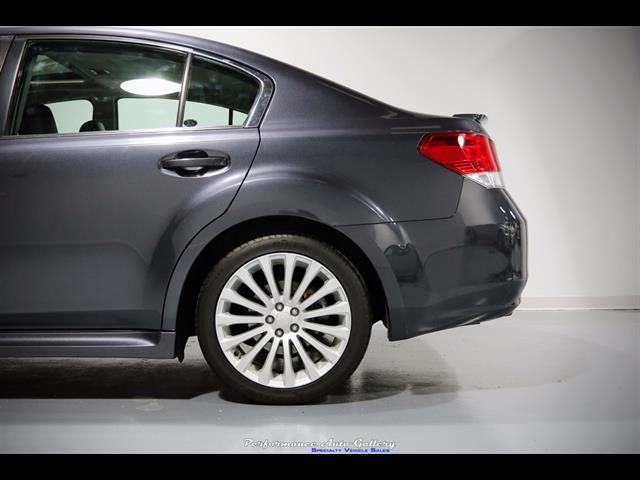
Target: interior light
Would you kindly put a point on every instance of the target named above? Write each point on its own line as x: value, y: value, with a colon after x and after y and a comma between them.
x: 150, y: 87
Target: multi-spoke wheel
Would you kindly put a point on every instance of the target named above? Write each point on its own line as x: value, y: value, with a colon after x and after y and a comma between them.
x: 283, y: 319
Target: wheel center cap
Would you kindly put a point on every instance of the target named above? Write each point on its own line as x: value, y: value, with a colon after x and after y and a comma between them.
x: 282, y: 319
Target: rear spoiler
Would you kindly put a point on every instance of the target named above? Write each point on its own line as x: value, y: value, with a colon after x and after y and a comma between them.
x: 480, y: 118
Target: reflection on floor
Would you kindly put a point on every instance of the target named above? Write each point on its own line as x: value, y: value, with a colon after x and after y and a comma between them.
x: 535, y: 382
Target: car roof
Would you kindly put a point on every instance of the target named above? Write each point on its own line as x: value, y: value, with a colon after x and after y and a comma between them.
x: 234, y: 53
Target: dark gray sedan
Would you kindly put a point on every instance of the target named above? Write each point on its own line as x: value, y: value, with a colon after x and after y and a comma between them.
x: 155, y: 186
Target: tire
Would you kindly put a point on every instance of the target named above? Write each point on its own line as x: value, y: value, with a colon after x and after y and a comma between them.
x: 275, y: 377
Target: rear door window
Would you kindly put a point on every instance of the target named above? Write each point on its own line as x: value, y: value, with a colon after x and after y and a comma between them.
x: 61, y: 79
x: 68, y: 86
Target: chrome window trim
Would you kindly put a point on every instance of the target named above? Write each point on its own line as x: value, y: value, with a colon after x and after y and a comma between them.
x: 254, y: 117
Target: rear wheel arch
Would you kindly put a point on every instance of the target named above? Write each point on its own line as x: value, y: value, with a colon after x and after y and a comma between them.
x: 238, y: 234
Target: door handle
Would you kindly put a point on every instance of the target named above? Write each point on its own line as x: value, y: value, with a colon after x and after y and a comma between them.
x: 194, y: 163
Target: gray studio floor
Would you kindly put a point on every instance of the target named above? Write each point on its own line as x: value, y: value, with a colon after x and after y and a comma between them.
x: 536, y: 382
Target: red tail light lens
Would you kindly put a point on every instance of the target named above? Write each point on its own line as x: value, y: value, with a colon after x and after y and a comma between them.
x: 470, y: 154
x: 462, y: 152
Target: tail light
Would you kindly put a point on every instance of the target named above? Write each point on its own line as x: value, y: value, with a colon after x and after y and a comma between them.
x: 471, y: 155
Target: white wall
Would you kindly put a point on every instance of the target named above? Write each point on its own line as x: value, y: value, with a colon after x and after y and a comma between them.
x: 564, y: 110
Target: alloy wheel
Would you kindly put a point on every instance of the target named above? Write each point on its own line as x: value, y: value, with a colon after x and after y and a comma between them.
x: 283, y: 320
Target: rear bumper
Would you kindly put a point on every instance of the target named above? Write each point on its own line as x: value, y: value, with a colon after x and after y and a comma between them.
x: 448, y: 272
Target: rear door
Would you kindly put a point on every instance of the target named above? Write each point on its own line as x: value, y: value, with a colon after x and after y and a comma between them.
x: 108, y: 146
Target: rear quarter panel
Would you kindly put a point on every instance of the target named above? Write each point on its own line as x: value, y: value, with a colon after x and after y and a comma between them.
x: 345, y: 176
x: 334, y: 156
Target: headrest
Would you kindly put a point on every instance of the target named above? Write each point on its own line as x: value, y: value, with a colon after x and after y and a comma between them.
x: 92, y: 126
x: 37, y: 119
